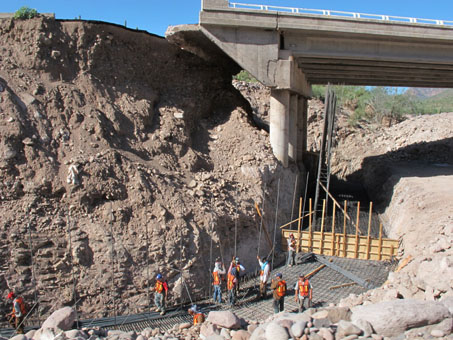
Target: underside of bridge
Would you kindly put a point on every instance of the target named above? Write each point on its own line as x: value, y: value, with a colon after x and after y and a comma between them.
x: 289, y: 52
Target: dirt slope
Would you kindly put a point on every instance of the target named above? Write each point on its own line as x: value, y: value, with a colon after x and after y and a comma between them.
x: 122, y: 148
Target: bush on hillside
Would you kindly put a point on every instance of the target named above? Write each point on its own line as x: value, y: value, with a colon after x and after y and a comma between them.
x: 25, y: 13
x: 245, y: 76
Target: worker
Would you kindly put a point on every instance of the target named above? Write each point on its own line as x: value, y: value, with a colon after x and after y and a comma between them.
x: 291, y: 250
x: 219, y: 269
x: 264, y: 276
x: 238, y: 271
x: 160, y: 294
x: 17, y: 315
x: 303, y: 292
x: 278, y: 285
x: 231, y: 283
x: 198, y: 316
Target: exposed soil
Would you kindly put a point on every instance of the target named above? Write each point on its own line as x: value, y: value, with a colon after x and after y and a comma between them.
x: 130, y: 152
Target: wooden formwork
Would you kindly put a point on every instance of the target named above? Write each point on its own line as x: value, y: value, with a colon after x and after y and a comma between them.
x: 355, y: 246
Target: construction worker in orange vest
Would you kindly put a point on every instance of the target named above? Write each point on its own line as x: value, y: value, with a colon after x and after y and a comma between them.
x: 237, y: 269
x: 198, y: 316
x: 303, y: 292
x: 264, y: 276
x: 219, y: 269
x: 278, y: 285
x: 231, y: 283
x: 160, y: 294
x: 17, y: 316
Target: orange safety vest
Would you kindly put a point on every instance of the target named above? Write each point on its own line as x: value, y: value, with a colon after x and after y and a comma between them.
x: 281, y: 288
x: 216, y: 278
x: 238, y: 269
x: 21, y: 303
x: 159, y: 286
x: 198, y: 318
x: 304, y: 288
x: 230, y: 282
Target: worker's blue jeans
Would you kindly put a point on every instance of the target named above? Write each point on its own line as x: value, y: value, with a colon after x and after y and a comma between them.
x: 217, y: 294
x: 232, y: 296
x: 279, y: 305
x: 159, y: 301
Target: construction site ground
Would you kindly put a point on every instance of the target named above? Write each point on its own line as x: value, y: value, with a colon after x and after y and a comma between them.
x: 372, y: 272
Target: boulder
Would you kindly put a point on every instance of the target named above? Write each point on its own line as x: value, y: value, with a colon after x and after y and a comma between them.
x: 241, y: 335
x: 259, y: 333
x: 276, y: 332
x: 184, y: 325
x: 287, y: 324
x: 365, y: 326
x: 225, y: 333
x: 215, y: 337
x: 74, y: 333
x: 62, y: 318
x: 208, y: 329
x: 19, y: 337
x: 226, y: 319
x: 30, y: 334
x: 326, y: 334
x: 49, y: 334
x: 346, y: 328
x: 339, y: 313
x: 298, y: 328
x: 391, y: 318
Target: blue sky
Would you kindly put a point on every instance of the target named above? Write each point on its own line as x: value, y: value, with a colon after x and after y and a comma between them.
x: 155, y: 15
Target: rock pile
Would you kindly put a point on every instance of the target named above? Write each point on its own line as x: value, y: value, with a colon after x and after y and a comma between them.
x: 402, y: 319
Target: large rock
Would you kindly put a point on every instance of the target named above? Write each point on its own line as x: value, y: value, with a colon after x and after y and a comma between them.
x: 346, y: 328
x: 298, y: 328
x: 241, y: 335
x: 62, y: 318
x: 224, y: 319
x: 49, y: 334
x: 19, y: 337
x: 259, y: 333
x: 75, y: 333
x: 391, y: 318
x: 274, y: 331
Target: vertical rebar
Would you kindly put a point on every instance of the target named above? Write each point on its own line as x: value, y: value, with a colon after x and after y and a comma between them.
x: 210, y: 264
x: 180, y: 266
x: 74, y: 292
x: 236, y: 230
x: 261, y: 221
x: 30, y: 244
x: 147, y: 270
x: 112, y: 259
x: 275, y: 224
x: 294, y: 200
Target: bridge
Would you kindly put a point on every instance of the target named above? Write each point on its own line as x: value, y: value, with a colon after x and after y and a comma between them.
x: 290, y: 49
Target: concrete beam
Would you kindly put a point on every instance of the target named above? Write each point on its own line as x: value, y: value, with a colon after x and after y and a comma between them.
x: 279, y: 124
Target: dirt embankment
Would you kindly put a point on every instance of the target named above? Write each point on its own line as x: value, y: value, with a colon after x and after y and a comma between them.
x: 129, y: 152
x: 407, y: 170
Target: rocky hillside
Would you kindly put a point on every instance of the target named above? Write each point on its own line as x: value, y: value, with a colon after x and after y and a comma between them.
x: 122, y: 156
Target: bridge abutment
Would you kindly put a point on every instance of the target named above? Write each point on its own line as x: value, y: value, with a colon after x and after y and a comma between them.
x: 288, y: 125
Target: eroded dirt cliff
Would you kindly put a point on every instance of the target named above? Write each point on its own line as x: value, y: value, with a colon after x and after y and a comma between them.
x: 129, y: 152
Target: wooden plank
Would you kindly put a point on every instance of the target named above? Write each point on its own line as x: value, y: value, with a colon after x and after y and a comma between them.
x: 344, y: 228
x: 299, y: 225
x: 334, y: 200
x: 343, y: 285
x: 357, y: 230
x: 344, y: 272
x: 322, y: 223
x: 380, y: 242
x: 333, y: 230
x: 310, y: 218
x: 369, y: 231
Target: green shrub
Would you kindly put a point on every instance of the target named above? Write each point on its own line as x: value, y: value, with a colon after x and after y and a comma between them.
x: 25, y: 13
x: 245, y: 76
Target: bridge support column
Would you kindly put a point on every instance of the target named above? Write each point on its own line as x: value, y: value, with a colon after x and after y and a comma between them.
x: 279, y: 124
x: 302, y: 116
x: 293, y: 127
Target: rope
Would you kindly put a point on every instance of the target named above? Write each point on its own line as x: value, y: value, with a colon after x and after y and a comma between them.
x: 275, y: 225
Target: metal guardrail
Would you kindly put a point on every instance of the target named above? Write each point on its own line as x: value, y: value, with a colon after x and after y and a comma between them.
x: 343, y: 14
